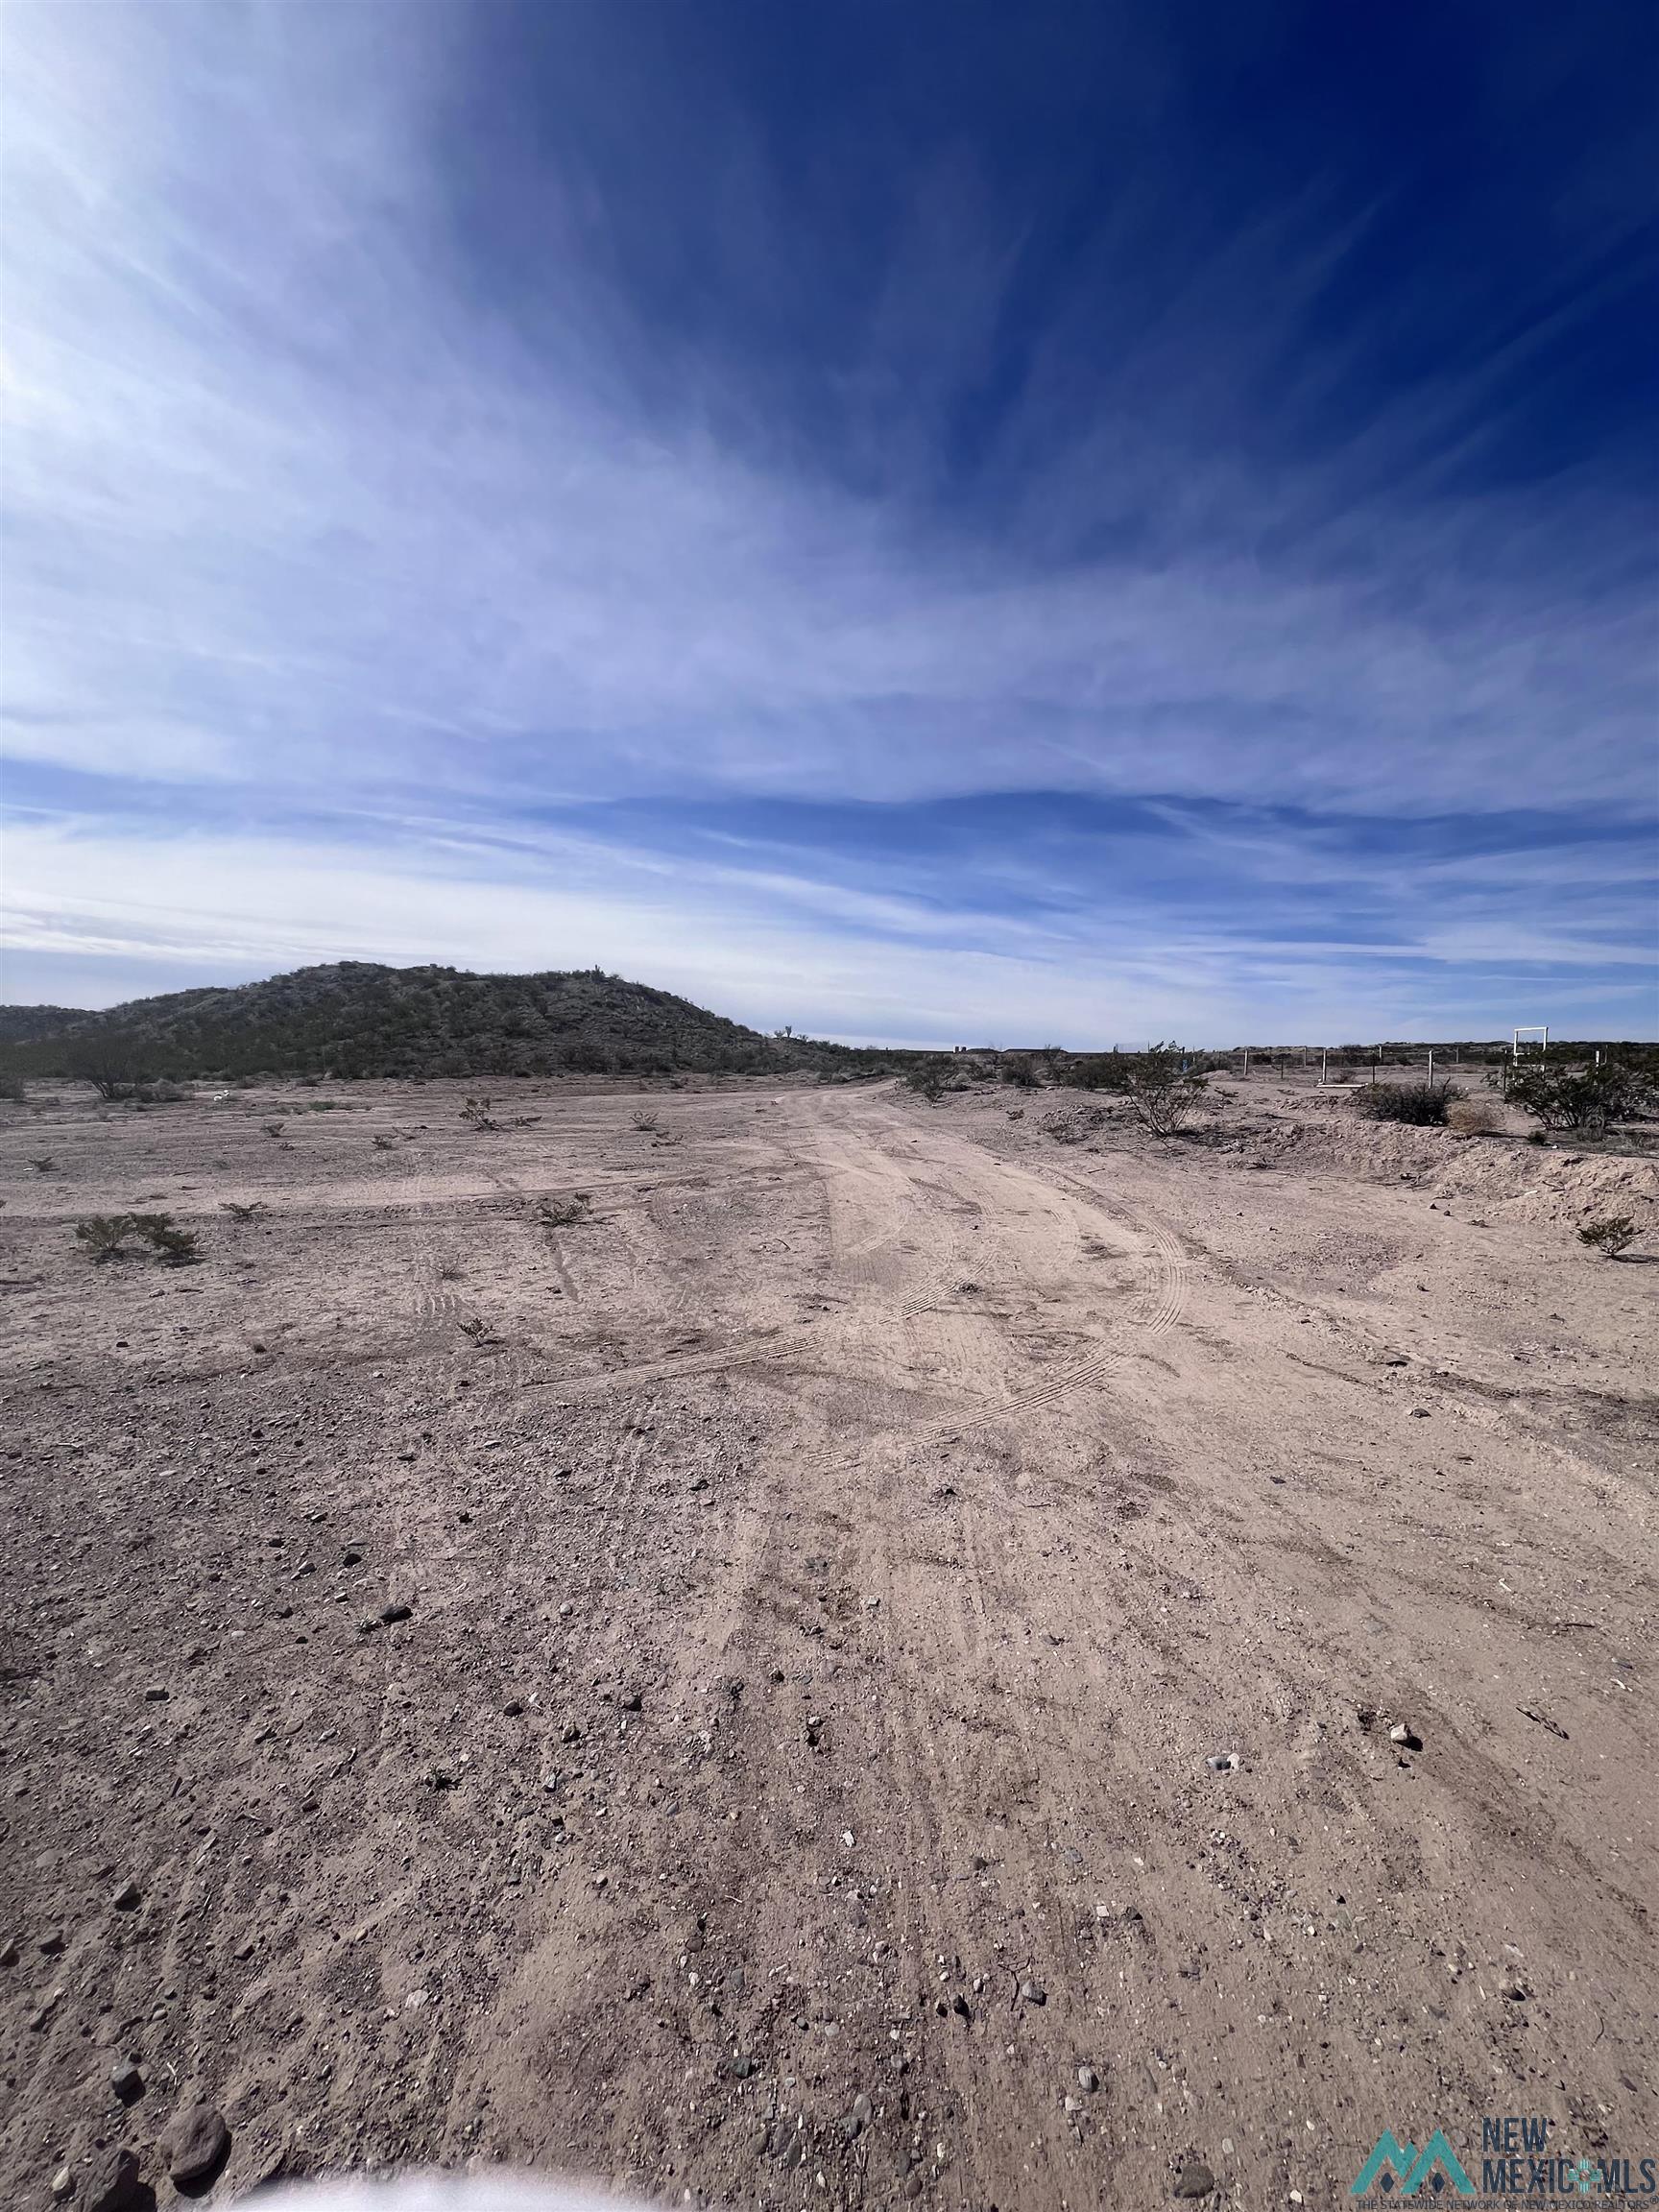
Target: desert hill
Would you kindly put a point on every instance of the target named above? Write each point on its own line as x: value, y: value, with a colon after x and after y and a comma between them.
x: 357, y: 1019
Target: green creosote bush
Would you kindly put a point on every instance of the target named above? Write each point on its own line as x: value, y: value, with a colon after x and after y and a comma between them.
x: 1421, y: 1105
x: 1611, y: 1234
x: 562, y: 1212
x: 111, y: 1237
x: 1161, y: 1086
x: 1586, y: 1098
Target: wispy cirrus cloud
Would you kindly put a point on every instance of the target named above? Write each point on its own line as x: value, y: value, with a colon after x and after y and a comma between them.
x: 479, y: 415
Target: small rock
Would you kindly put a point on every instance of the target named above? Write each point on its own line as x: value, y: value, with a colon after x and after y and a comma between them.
x: 351, y: 1558
x: 1195, y: 2179
x: 127, y: 2081
x: 1088, y: 2080
x: 1514, y: 1989
x: 391, y: 1612
x: 512, y: 1708
x: 570, y: 1733
x: 112, y: 2186
x: 51, y: 1943
x: 633, y: 1701
x: 1033, y: 1993
x: 1223, y: 1762
x: 128, y: 1898
x: 156, y: 1694
x: 8, y: 1954
x: 63, y: 2183
x: 1402, y: 1733
x: 198, y: 2144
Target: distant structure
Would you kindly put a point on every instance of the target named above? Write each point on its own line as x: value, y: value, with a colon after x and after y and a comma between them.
x: 1538, y: 1029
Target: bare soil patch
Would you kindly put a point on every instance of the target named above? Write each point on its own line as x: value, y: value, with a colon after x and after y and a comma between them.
x: 861, y: 1667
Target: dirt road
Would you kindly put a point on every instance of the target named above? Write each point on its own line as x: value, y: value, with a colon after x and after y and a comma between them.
x: 906, y: 1618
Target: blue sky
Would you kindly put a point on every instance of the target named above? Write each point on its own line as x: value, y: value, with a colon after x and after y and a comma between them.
x: 921, y: 522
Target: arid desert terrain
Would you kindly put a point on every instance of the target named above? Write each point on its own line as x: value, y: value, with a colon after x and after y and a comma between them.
x: 864, y: 1667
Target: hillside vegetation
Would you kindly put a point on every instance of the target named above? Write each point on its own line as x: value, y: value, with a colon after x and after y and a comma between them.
x: 356, y: 1019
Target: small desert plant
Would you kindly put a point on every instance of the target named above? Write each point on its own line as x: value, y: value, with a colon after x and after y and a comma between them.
x: 12, y: 1091
x: 384, y: 1143
x: 476, y: 1111
x: 480, y: 1332
x: 43, y: 1165
x: 562, y: 1212
x: 240, y: 1210
x: 177, y: 1246
x: 1474, y: 1116
x: 927, y: 1077
x: 1421, y: 1105
x: 108, y: 1237
x: 647, y: 1124
x: 272, y: 1128
x: 1018, y: 1072
x: 1610, y: 1235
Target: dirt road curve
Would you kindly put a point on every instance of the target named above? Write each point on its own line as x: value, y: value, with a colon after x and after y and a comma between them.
x: 833, y: 1577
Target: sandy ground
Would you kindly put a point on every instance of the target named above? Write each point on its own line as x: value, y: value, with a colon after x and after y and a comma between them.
x: 833, y: 1569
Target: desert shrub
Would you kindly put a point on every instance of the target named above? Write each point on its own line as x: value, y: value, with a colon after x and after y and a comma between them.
x: 12, y: 1090
x: 43, y: 1163
x: 1018, y: 1074
x: 110, y: 1235
x: 111, y: 1064
x: 176, y: 1246
x: 1423, y: 1105
x: 1563, y: 1096
x: 107, y: 1236
x: 1161, y: 1085
x: 1089, y: 1071
x: 562, y: 1212
x: 242, y: 1210
x: 927, y: 1077
x: 1474, y: 1116
x: 384, y: 1143
x: 477, y: 1111
x: 1610, y: 1235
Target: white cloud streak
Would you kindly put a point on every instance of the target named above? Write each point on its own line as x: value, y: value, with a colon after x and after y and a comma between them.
x: 281, y: 516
